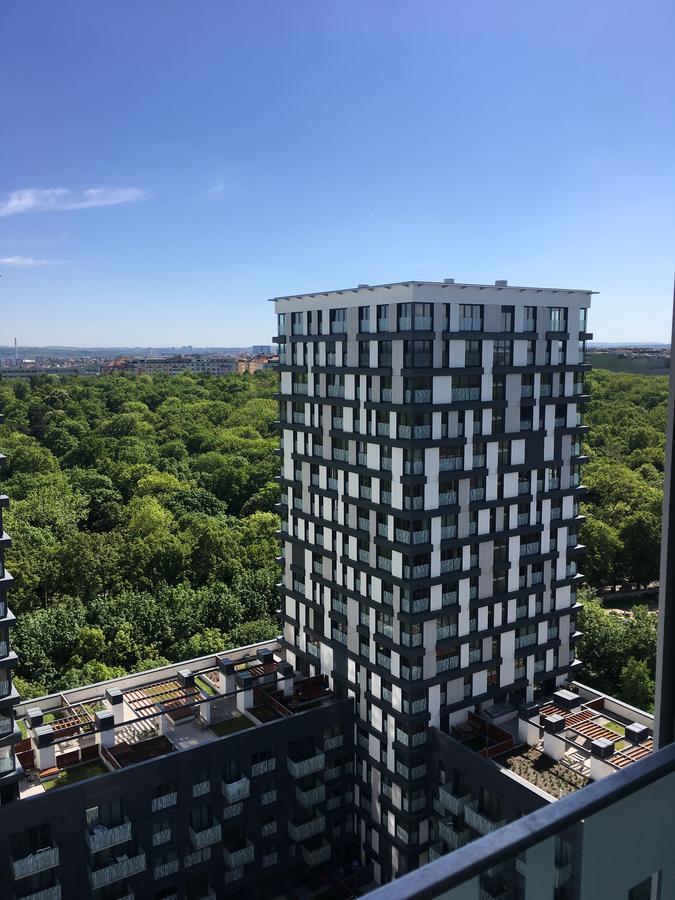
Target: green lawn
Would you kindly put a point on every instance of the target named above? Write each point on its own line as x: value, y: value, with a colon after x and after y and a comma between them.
x: 23, y: 728
x: 205, y: 685
x: 76, y: 773
x: 614, y: 726
x: 235, y: 723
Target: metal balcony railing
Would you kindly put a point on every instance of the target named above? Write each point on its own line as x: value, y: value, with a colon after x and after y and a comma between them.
x: 239, y: 857
x: 306, y: 830
x: 310, y: 797
x: 205, y: 837
x: 480, y: 821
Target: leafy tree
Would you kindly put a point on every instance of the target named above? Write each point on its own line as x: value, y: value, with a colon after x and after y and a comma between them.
x: 636, y: 685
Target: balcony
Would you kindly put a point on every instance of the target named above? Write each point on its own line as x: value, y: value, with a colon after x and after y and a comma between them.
x: 233, y: 791
x: 410, y: 673
x: 118, y: 870
x: 45, y: 858
x: 480, y: 821
x: 201, y: 788
x: 205, y: 837
x: 236, y: 857
x: 332, y: 743
x: 447, y: 663
x: 452, y: 802
x: 165, y: 801
x: 166, y: 869
x: 454, y: 564
x: 49, y: 893
x: 316, y: 855
x: 232, y: 811
x: 526, y: 640
x: 101, y: 836
x: 465, y: 394
x: 306, y: 830
x: 308, y: 766
x: 452, y: 838
x: 309, y: 797
x: 161, y: 837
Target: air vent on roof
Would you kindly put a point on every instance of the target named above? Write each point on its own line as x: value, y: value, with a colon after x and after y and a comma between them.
x: 448, y: 281
x: 363, y: 285
x: 501, y: 283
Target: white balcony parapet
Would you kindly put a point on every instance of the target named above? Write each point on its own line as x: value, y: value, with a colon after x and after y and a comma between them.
x: 45, y: 858
x: 102, y: 836
x: 117, y: 871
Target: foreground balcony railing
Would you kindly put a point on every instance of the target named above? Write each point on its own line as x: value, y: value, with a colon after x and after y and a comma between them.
x: 604, y: 860
x: 116, y: 871
x: 45, y: 858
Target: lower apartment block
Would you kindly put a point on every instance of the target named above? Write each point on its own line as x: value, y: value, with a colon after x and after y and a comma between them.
x: 235, y: 776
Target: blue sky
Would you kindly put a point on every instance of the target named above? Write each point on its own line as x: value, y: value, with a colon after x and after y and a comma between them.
x: 166, y: 166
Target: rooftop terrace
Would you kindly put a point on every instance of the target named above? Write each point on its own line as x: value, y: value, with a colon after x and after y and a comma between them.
x: 89, y: 731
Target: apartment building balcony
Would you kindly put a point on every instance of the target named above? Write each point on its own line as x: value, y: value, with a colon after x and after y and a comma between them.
x: 205, y: 837
x: 49, y: 893
x: 316, y: 851
x: 299, y: 768
x: 452, y: 838
x: 410, y: 673
x: 447, y: 663
x: 117, y: 870
x: 240, y: 855
x: 526, y: 640
x: 300, y: 832
x: 165, y: 801
x: 310, y: 796
x: 166, y: 869
x: 452, y: 802
x: 332, y: 743
x: 38, y: 861
x: 100, y: 836
x: 480, y: 821
x: 234, y: 791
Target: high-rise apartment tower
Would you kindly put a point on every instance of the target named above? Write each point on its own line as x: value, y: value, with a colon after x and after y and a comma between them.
x: 430, y: 480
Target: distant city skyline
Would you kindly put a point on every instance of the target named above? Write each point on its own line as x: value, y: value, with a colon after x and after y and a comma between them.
x: 262, y: 149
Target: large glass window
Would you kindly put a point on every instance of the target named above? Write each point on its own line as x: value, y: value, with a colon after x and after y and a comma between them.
x: 470, y: 317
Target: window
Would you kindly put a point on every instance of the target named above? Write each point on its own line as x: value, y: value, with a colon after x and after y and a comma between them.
x: 530, y: 318
x: 338, y: 321
x: 281, y: 331
x: 364, y: 318
x: 506, y: 323
x: 473, y: 353
x: 364, y: 354
x: 383, y: 353
x: 383, y: 317
x: 557, y: 318
x: 470, y: 317
x: 583, y: 319
x: 417, y: 354
x: 297, y: 323
x: 503, y: 353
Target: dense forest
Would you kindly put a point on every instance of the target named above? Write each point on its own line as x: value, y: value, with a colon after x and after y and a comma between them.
x: 625, y: 444
x: 143, y: 522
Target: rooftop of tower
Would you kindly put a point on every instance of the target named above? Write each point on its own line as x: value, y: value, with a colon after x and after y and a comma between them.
x: 447, y: 283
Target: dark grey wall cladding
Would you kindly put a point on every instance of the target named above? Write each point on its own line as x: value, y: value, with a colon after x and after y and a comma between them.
x: 63, y: 809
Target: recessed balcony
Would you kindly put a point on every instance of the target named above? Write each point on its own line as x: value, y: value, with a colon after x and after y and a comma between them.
x: 315, y: 852
x: 102, y: 836
x: 300, y: 832
x: 238, y: 856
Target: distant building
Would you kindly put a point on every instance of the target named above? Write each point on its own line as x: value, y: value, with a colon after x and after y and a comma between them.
x: 252, y: 364
x: 263, y: 350
x: 175, y: 365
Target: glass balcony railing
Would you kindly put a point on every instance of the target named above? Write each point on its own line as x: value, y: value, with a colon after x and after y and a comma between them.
x: 310, y: 797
